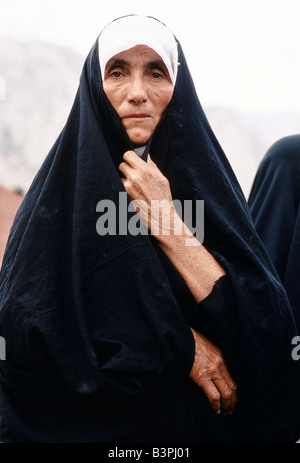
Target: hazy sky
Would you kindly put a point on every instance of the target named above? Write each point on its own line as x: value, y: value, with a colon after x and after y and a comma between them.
x: 242, y: 53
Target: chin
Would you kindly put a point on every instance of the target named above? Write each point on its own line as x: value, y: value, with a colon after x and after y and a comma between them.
x: 138, y: 141
x: 138, y: 145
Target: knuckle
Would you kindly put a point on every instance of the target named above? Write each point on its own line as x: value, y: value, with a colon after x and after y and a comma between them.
x: 126, y: 155
x: 128, y: 186
x: 233, y: 387
x: 227, y: 394
x: 214, y: 371
x: 219, y: 363
x: 122, y: 167
x: 135, y: 177
x: 215, y: 397
x: 131, y: 176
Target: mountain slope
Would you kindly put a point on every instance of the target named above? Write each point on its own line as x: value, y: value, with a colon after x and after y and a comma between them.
x: 41, y: 82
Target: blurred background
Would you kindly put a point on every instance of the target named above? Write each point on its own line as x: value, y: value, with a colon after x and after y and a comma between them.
x: 243, y: 55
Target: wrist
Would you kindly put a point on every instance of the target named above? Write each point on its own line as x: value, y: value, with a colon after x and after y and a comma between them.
x: 169, y: 227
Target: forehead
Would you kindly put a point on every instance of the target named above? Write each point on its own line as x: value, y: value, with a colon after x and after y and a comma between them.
x: 140, y: 54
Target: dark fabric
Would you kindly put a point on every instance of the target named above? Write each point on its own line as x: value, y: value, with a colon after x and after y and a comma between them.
x: 97, y: 327
x: 274, y: 202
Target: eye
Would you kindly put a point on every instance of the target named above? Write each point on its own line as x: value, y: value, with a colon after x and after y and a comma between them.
x: 156, y: 75
x: 116, y: 74
x: 158, y: 72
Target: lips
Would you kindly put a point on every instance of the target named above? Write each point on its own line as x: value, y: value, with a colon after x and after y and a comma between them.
x: 137, y: 116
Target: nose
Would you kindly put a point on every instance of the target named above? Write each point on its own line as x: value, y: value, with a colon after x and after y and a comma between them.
x: 137, y: 92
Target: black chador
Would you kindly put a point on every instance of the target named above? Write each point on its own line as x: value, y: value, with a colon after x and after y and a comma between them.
x: 97, y: 328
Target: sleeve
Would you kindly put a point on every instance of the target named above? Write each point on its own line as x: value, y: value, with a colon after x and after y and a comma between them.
x: 186, y: 355
x: 216, y: 317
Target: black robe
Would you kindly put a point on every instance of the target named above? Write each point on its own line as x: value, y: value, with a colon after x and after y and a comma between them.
x: 98, y: 345
x: 274, y: 202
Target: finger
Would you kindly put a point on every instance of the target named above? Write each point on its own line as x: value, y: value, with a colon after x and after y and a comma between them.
x: 228, y: 395
x: 133, y: 160
x: 231, y: 385
x: 213, y: 395
x: 234, y: 399
x: 128, y: 187
x: 125, y: 169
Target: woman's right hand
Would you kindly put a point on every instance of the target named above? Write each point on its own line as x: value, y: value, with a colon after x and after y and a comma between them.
x: 209, y: 372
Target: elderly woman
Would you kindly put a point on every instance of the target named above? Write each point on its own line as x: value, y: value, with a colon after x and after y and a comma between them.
x: 145, y: 336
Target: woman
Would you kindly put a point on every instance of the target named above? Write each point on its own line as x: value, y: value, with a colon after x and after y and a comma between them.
x: 103, y: 328
x: 274, y: 203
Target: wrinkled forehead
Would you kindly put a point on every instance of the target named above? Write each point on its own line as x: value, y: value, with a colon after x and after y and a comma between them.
x: 129, y: 31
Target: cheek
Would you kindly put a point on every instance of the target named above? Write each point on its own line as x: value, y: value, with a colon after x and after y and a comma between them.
x: 113, y: 95
x: 162, y: 100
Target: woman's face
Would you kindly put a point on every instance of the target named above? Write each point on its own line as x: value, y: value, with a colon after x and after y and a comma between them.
x: 139, y: 88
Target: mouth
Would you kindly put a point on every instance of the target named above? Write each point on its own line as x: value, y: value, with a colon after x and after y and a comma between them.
x: 137, y: 116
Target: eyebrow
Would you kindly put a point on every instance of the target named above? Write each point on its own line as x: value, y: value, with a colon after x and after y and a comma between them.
x: 159, y: 64
x: 116, y: 63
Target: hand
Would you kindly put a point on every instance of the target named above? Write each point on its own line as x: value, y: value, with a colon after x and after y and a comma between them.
x: 147, y: 186
x: 210, y: 373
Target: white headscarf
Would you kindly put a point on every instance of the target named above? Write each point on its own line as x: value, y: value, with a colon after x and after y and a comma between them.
x: 129, y: 31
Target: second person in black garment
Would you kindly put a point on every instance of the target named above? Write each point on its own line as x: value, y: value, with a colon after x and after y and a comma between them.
x: 274, y: 202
